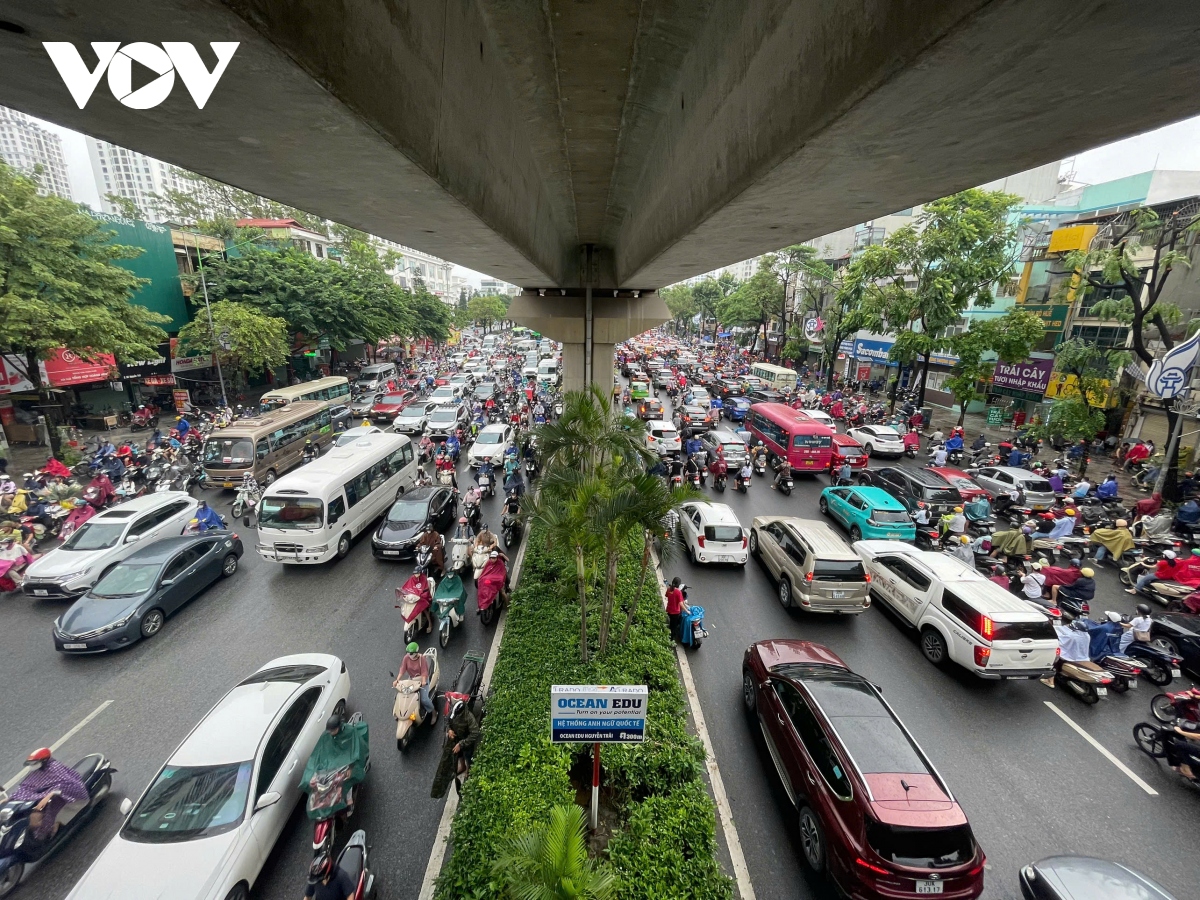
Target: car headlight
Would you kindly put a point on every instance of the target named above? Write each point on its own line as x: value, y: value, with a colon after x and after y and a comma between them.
x: 113, y: 626
x: 82, y: 575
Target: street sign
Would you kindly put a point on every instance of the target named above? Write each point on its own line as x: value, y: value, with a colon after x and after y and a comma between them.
x: 995, y: 415
x: 1171, y: 373
x: 606, y: 714
x: 225, y: 340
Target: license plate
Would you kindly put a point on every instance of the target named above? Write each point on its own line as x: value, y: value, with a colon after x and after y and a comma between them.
x: 808, y: 462
x: 74, y: 646
x: 1132, y: 683
x: 391, y: 552
x: 1101, y: 692
x: 930, y: 887
x: 41, y: 592
x: 228, y: 484
x: 1175, y: 673
x: 838, y: 595
x: 893, y: 534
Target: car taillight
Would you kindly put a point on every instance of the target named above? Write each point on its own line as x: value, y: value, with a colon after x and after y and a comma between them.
x: 982, y: 654
x: 867, y: 577
x: 700, y: 540
x: 986, y: 627
x: 745, y: 541
x: 235, y: 537
x: 870, y: 867
x: 809, y: 577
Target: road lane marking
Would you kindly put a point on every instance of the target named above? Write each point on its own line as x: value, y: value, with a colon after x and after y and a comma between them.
x: 437, y: 855
x: 741, y: 871
x: 1095, y: 743
x: 62, y: 740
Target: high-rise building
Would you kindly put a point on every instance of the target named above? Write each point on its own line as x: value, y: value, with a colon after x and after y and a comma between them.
x: 25, y: 145
x: 134, y: 176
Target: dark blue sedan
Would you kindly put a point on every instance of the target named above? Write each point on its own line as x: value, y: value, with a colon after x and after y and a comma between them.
x: 735, y: 409
x: 132, y: 600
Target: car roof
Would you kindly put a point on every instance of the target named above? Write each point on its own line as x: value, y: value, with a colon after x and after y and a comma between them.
x: 494, y: 428
x: 725, y: 436
x: 877, y: 496
x: 716, y: 513
x: 785, y: 651
x: 143, y: 503
x: 1087, y: 876
x: 233, y: 729
x: 164, y: 548
x: 360, y: 430
x: 826, y: 542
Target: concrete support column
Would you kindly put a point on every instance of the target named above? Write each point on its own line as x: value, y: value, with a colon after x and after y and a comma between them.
x: 564, y: 319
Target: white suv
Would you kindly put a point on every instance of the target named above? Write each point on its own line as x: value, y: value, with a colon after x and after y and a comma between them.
x: 961, y: 616
x: 662, y: 438
x: 68, y: 571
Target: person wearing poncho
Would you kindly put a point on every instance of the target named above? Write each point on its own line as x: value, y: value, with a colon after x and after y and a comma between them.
x: 1012, y: 543
x: 1116, y: 540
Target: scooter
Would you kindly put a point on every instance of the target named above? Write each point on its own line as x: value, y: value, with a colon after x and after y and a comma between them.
x: 760, y: 465
x: 719, y: 482
x: 1169, y: 593
x: 740, y: 484
x: 510, y: 529
x: 353, y: 861
x: 246, y: 502
x: 489, y: 589
x: 691, y: 627
x: 487, y: 484
x: 1075, y: 672
x: 1158, y: 666
x: 460, y: 548
x: 325, y: 785
x: 1176, y: 705
x: 785, y: 485
x: 406, y: 708
x: 1157, y: 740
x: 416, y: 596
x: 18, y: 856
x: 449, y: 606
x: 75, y: 518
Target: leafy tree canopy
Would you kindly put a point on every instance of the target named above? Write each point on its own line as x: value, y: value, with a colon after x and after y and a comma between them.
x: 255, y: 341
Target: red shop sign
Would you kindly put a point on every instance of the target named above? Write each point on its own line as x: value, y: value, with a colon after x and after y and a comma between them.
x: 66, y: 367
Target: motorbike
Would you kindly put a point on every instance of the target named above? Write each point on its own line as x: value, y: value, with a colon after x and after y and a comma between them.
x: 98, y: 491
x: 691, y: 627
x: 786, y: 484
x: 18, y: 856
x: 416, y: 597
x: 14, y: 559
x: 531, y: 469
x: 406, y: 708
x: 1105, y: 639
x: 474, y: 515
x: 740, y: 484
x: 449, y: 606
x: 1169, y: 593
x: 353, y: 861
x: 1175, y: 705
x: 245, y: 505
x: 760, y: 465
x: 510, y: 529
x: 487, y: 484
x: 1158, y: 666
x: 143, y: 417
x: 336, y: 767
x: 719, y: 482
x: 1158, y: 741
x: 445, y: 476
x: 489, y: 589
x: 1074, y: 670
x: 460, y: 548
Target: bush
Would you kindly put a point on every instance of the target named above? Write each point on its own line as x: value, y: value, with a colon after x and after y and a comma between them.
x: 665, y: 846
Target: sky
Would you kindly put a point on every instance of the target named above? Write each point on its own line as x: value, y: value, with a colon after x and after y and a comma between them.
x: 1174, y: 146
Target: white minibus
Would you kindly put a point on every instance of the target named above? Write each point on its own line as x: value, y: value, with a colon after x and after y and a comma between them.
x: 313, y: 514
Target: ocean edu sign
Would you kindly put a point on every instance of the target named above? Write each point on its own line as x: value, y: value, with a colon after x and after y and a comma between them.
x: 598, y: 713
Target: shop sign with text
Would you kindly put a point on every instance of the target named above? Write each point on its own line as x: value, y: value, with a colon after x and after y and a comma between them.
x: 1032, y: 375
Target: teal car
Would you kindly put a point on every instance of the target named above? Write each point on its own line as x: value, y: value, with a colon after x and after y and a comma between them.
x: 869, y: 513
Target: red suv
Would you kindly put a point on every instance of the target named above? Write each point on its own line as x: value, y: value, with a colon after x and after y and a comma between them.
x: 847, y: 449
x: 873, y: 811
x: 388, y: 406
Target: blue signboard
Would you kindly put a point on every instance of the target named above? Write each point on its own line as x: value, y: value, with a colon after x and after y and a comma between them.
x: 611, y: 714
x: 875, y: 351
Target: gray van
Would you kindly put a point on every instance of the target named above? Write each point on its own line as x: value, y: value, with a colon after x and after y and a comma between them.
x: 374, y: 377
x: 813, y: 567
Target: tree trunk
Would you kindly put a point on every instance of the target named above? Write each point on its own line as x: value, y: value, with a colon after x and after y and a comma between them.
x: 610, y: 593
x: 641, y: 585
x: 34, y: 374
x: 581, y: 586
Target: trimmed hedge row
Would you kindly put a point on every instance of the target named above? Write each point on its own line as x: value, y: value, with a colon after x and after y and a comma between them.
x: 665, y: 845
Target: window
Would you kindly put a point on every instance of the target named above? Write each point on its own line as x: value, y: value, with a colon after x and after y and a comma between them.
x: 905, y: 572
x: 959, y: 609
x: 813, y: 737
x: 794, y: 549
x: 283, y: 737
x: 337, y: 509
x: 145, y: 523
x: 175, y: 568
x: 856, y: 501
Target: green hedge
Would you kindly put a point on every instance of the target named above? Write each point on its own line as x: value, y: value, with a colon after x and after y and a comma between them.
x: 666, y: 845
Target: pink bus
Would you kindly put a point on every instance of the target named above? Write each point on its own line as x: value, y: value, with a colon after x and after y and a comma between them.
x: 806, y: 443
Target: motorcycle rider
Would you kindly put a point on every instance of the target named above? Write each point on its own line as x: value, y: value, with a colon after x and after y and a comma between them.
x: 1082, y: 589
x: 979, y: 443
x: 782, y: 469
x: 462, y: 735
x: 52, y: 786
x: 921, y: 516
x: 940, y: 455
x: 432, y: 541
x: 978, y: 509
x: 1108, y: 489
x: 512, y: 506
x: 206, y: 518
x: 1166, y: 570
x: 310, y: 452
x: 416, y: 665
x: 444, y: 463
x: 718, y: 467
x: 1033, y: 582
x: 485, y: 468
x: 757, y: 451
x: 955, y: 524
x: 453, y: 446
x: 954, y: 443
x: 961, y: 548
x: 1004, y: 501
x: 691, y: 469
x: 745, y: 473
x: 327, y: 881
x: 1115, y: 541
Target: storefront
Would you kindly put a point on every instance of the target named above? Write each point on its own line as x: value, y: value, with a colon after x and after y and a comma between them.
x: 150, y: 381
x: 1024, y: 385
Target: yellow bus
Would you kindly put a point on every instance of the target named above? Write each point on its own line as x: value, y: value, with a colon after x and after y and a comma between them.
x: 266, y: 445
x: 330, y: 391
x: 777, y: 378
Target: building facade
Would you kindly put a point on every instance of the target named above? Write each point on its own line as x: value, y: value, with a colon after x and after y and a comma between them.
x: 133, y: 176
x: 25, y: 145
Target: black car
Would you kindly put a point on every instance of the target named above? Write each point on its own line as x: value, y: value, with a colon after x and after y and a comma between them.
x: 650, y: 408
x: 727, y: 390
x: 911, y: 486
x: 691, y: 420
x: 132, y: 600
x: 1076, y: 877
x: 340, y: 418
x: 766, y: 396
x: 1178, y: 633
x: 398, y: 532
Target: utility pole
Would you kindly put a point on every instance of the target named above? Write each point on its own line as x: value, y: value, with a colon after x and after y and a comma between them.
x: 212, y: 333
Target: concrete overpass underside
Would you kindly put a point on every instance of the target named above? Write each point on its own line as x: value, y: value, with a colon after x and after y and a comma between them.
x: 621, y: 144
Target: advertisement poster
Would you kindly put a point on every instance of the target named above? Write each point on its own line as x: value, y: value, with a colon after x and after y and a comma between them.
x: 182, y: 399
x: 593, y: 713
x: 66, y: 367
x: 1032, y: 375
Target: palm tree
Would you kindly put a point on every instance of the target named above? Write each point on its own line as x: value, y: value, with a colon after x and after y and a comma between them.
x: 591, y: 435
x: 550, y: 862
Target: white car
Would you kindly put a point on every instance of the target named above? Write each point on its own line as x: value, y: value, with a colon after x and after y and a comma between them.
x: 446, y: 394
x: 69, y: 570
x: 819, y: 415
x: 490, y: 443
x: 350, y: 435
x: 662, y: 438
x: 878, y: 440
x: 699, y: 397
x: 960, y: 615
x: 528, y: 372
x: 209, y: 819
x: 712, y: 533
x: 414, y: 417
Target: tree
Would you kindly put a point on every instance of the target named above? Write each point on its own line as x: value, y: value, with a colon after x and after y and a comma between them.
x: 214, y: 206
x: 60, y: 288
x: 708, y: 294
x: 486, y: 310
x: 1135, y: 259
x: 923, y: 277
x: 1010, y: 337
x: 826, y: 293
x: 550, y: 862
x: 788, y: 265
x: 430, y: 316
x: 681, y: 304
x: 243, y: 339
x: 753, y: 302
x: 124, y: 206
x: 1080, y: 411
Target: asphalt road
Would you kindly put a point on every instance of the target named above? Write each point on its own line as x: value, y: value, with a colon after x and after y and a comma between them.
x: 1031, y: 786
x: 160, y: 688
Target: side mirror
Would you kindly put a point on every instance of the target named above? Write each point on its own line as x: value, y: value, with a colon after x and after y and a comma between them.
x: 270, y: 798
x: 133, y: 538
x: 126, y: 806
x: 166, y: 582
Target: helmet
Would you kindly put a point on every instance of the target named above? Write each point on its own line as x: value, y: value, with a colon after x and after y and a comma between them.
x: 493, y: 554
x: 958, y: 509
x: 1070, y: 512
x: 1143, y: 609
x: 1087, y: 572
x: 965, y: 540
x: 462, y: 520
x: 413, y: 647
x: 1113, y: 616
x: 760, y: 443
x: 1168, y: 554
x: 1037, y: 564
x: 1121, y: 523
x: 333, y: 723
x: 1025, y: 529
x: 920, y: 504
x: 38, y: 757
x: 320, y: 867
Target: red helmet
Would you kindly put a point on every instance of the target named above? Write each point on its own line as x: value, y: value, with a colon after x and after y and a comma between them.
x: 41, y: 755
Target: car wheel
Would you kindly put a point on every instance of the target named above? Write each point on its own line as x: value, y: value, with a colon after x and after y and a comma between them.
x: 339, y: 709
x: 240, y: 892
x: 855, y: 533
x: 785, y: 592
x: 868, y: 450
x: 269, y: 478
x: 11, y: 878
x: 152, y: 623
x: 343, y: 547
x: 933, y: 646
x: 1166, y: 645
x: 749, y: 698
x: 754, y: 543
x: 230, y: 565
x: 823, y: 505
x: 812, y: 840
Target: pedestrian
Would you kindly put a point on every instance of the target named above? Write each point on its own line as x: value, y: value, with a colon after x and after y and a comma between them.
x: 676, y: 606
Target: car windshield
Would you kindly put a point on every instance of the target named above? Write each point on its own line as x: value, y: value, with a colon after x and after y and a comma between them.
x: 290, y: 512
x: 407, y: 511
x: 444, y: 417
x: 412, y: 413
x: 231, y: 451
x: 891, y: 517
x: 391, y: 400
x: 442, y: 393
x: 94, y: 536
x: 188, y: 802
x: 850, y: 452
x: 489, y: 437
x: 126, y: 580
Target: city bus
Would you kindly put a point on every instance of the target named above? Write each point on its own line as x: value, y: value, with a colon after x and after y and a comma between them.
x: 312, y: 515
x: 806, y: 444
x: 331, y: 391
x: 775, y: 378
x: 266, y: 445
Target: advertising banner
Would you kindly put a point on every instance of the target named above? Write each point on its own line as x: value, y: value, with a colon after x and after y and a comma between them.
x: 182, y: 399
x: 1032, y: 375
x: 864, y: 372
x: 613, y: 714
x: 66, y: 367
x: 160, y: 365
x: 12, y: 381
x: 185, y: 360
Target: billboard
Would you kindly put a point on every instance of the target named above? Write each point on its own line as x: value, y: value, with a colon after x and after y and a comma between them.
x: 1032, y: 375
x: 598, y: 713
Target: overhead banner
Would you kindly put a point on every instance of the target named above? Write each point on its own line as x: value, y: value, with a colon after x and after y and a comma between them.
x: 185, y: 360
x: 12, y: 381
x: 159, y: 365
x: 1032, y: 375
x: 66, y: 367
x: 612, y: 714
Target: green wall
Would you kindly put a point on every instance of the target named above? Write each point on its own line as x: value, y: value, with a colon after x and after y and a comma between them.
x: 163, y: 294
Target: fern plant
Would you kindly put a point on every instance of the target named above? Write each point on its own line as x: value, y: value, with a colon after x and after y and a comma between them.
x: 550, y: 862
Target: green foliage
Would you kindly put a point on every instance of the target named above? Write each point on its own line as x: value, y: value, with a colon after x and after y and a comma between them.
x: 680, y: 303
x: 1080, y: 414
x: 430, y: 316
x: 1010, y: 337
x: 256, y: 342
x: 708, y: 294
x: 1073, y: 419
x: 550, y: 862
x: 754, y: 302
x: 214, y: 206
x: 486, y: 310
x: 518, y: 776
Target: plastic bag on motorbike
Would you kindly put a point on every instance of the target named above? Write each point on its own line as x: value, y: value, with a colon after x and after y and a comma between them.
x: 337, y: 763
